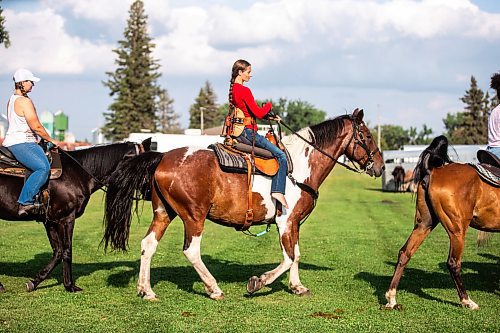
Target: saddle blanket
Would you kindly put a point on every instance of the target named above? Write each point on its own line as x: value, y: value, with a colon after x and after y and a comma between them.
x: 488, y: 173
x: 231, y: 162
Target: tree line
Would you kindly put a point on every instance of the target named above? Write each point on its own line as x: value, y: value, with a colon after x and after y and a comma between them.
x: 140, y: 103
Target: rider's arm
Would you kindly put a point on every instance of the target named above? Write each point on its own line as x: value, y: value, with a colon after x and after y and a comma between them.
x: 256, y: 110
x: 26, y: 107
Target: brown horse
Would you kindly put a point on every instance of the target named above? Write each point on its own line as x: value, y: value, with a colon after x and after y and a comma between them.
x: 399, y: 177
x: 189, y: 183
x: 453, y: 194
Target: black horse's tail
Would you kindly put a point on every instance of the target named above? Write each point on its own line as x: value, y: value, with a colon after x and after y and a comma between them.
x: 434, y: 156
x: 132, y: 180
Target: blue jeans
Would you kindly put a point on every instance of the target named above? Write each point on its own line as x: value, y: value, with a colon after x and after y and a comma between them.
x: 279, y: 179
x: 494, y: 150
x: 31, y: 155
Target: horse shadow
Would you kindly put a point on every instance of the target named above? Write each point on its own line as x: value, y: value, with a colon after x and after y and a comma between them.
x: 225, y: 271
x: 184, y: 277
x: 477, y: 276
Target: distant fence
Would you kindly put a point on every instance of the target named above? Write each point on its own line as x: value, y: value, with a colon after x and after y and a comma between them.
x: 408, y: 158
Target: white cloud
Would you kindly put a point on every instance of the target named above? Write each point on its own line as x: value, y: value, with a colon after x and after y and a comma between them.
x: 40, y: 42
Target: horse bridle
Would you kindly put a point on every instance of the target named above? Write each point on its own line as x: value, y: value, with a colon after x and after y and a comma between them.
x: 357, y: 136
x: 360, y: 140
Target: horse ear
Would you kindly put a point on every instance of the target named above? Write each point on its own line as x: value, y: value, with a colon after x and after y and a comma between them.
x: 146, y: 144
x: 358, y: 114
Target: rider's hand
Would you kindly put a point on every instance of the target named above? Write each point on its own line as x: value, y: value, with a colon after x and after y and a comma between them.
x: 275, y: 118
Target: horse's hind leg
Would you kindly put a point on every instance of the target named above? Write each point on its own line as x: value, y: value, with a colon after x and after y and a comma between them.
x: 454, y: 266
x: 424, y: 224
x: 192, y: 241
x: 163, y: 215
x: 2, y: 288
x: 56, y: 244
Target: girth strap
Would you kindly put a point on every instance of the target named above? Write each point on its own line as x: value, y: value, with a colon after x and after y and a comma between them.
x: 249, y: 212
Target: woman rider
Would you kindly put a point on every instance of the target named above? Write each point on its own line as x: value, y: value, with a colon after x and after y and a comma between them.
x: 241, y: 97
x: 22, y: 138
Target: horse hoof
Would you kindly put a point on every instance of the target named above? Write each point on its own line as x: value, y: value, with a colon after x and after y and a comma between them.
x: 470, y: 304
x: 388, y: 306
x: 73, y: 289
x: 30, y: 286
x: 147, y: 296
x: 254, y: 284
x: 217, y: 297
x: 303, y: 292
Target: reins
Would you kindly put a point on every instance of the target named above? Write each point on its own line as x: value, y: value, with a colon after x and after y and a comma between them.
x: 312, y: 144
x: 308, y: 189
x: 100, y: 182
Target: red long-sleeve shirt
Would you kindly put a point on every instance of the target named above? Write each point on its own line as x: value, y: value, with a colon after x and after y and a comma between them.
x: 243, y: 99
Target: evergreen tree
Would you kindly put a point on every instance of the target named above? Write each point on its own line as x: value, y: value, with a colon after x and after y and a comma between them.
x: 475, y: 125
x: 133, y: 84
x: 167, y: 119
x: 4, y: 34
x: 206, y: 103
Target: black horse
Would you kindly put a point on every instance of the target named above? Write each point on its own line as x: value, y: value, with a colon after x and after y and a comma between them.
x: 83, y: 172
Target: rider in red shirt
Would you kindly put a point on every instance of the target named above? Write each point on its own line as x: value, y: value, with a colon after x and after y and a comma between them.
x: 242, y: 98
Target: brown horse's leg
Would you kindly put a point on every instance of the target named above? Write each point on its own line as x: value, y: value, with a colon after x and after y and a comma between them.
x: 56, y: 244
x: 66, y: 230
x: 454, y: 266
x: 161, y: 220
x: 289, y: 240
x: 424, y: 224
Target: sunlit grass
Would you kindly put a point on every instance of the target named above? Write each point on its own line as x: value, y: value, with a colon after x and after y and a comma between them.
x: 349, y: 246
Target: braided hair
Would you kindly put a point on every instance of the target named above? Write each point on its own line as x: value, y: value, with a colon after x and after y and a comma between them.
x: 239, y: 65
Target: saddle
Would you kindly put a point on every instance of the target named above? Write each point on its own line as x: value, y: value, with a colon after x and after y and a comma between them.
x: 11, y: 167
x: 237, y: 157
x: 489, y: 167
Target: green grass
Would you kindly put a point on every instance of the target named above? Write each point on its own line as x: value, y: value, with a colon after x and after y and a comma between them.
x: 349, y: 246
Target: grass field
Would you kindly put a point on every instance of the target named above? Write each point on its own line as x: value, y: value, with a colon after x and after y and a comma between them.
x: 349, y: 247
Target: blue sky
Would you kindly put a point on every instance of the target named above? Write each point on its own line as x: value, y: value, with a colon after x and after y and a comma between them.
x: 405, y: 62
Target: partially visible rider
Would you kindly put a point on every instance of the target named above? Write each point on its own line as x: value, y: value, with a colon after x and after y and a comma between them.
x: 494, y: 120
x: 241, y: 97
x: 22, y: 138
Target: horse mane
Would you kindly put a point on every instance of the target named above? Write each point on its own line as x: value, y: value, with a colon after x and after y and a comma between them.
x: 326, y: 132
x: 436, y: 155
x: 102, y: 157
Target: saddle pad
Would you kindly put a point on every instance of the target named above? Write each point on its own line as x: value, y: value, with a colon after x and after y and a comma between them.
x: 12, y: 167
x: 488, y: 173
x: 232, y: 162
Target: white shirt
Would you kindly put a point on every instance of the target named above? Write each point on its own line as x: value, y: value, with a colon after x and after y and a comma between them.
x: 19, y: 131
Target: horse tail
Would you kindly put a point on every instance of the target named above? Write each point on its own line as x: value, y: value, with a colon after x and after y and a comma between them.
x: 132, y: 180
x: 434, y: 156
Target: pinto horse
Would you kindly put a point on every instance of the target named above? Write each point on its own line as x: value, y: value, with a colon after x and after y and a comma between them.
x: 83, y: 172
x: 451, y: 194
x: 189, y: 183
